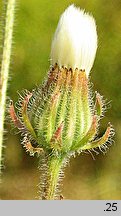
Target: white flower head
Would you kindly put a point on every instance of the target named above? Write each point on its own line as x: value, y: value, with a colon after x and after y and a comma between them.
x: 75, y: 40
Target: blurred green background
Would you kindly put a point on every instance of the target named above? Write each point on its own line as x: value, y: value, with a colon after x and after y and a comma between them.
x: 35, y: 23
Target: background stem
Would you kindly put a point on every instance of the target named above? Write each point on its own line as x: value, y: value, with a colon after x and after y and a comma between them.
x: 8, y: 32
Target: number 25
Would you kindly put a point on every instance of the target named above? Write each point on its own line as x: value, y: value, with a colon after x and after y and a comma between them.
x: 111, y: 206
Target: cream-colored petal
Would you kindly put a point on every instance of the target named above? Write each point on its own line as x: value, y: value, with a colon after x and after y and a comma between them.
x: 75, y: 41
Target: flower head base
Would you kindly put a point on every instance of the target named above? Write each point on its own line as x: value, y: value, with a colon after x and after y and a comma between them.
x: 61, y: 117
x: 75, y: 40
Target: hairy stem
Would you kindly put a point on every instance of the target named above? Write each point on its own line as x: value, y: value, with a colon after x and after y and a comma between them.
x: 53, y: 177
x: 9, y: 20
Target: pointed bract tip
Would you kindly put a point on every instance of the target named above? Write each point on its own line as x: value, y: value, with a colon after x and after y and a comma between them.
x: 75, y: 41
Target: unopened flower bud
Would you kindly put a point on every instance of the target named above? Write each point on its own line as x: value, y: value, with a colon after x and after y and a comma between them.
x: 60, y: 118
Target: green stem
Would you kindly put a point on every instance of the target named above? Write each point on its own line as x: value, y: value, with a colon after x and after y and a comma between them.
x: 9, y: 20
x: 53, y: 176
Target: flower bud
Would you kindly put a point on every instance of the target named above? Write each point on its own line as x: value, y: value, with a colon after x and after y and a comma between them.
x: 61, y: 116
